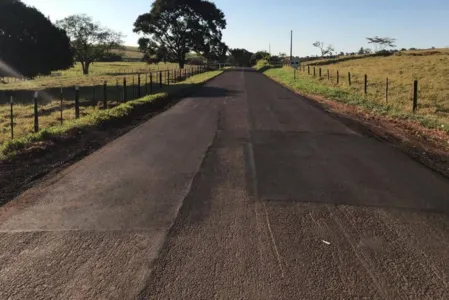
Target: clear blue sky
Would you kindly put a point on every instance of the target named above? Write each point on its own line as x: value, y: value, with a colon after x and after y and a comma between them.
x: 254, y: 24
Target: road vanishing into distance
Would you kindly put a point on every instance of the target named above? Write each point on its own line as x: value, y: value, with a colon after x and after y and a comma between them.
x: 242, y: 191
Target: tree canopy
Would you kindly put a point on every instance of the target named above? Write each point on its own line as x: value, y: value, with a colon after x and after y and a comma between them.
x: 258, y: 56
x: 324, y: 50
x: 29, y: 43
x: 182, y: 26
x: 90, y: 41
x: 240, y: 57
x: 381, y: 43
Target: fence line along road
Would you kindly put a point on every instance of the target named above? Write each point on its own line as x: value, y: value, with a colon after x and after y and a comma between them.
x: 61, y: 104
x: 414, y: 84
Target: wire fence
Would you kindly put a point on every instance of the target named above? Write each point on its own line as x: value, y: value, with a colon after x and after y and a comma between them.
x: 25, y: 111
x: 412, y: 95
x: 107, y: 69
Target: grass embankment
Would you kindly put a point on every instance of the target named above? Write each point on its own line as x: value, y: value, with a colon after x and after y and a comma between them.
x: 97, y: 117
x: 431, y: 71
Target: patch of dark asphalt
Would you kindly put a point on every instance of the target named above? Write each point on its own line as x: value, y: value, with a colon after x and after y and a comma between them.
x: 425, y: 148
x: 45, y: 159
x: 302, y: 207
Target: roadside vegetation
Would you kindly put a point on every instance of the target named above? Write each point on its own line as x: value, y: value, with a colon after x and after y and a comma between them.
x: 430, y: 68
x: 99, y: 72
x: 431, y: 71
x: 94, y: 116
x: 91, y: 93
x: 88, y: 62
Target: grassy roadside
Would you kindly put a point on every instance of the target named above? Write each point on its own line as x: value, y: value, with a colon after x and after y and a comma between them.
x: 98, y: 73
x: 102, y: 117
x: 307, y: 85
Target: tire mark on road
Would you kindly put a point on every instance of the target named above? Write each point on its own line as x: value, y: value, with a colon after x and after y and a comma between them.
x: 278, y: 256
x: 360, y: 256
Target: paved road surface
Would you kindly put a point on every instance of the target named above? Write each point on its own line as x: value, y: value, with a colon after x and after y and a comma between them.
x: 244, y: 191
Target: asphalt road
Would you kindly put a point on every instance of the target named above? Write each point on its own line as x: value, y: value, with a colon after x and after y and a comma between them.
x: 243, y: 191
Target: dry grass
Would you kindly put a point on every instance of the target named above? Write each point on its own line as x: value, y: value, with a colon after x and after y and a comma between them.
x: 99, y: 72
x: 50, y: 116
x: 91, y: 100
x: 429, y: 67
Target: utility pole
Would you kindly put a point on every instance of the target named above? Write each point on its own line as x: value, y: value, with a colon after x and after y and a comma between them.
x: 291, y: 45
x: 269, y: 49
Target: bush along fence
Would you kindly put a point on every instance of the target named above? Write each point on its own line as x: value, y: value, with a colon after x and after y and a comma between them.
x: 68, y: 103
x: 337, y: 78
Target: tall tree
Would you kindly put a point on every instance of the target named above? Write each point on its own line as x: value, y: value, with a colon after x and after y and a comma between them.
x: 216, y: 51
x: 90, y: 41
x: 381, y: 43
x: 240, y: 57
x: 29, y: 43
x: 324, y: 50
x: 258, y: 56
x: 153, y: 52
x: 181, y: 26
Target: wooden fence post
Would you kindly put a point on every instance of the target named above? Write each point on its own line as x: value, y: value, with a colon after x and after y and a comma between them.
x: 386, y: 91
x: 160, y: 79
x: 124, y: 89
x: 36, y: 112
x: 320, y: 73
x: 105, y: 94
x: 11, y: 101
x: 338, y: 77
x: 138, y: 85
x: 151, y: 83
x: 415, y: 95
x: 308, y: 69
x: 328, y: 75
x: 77, y: 102
x: 168, y: 77
x: 314, y: 72
x: 366, y: 84
x: 349, y: 78
x: 61, y: 108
